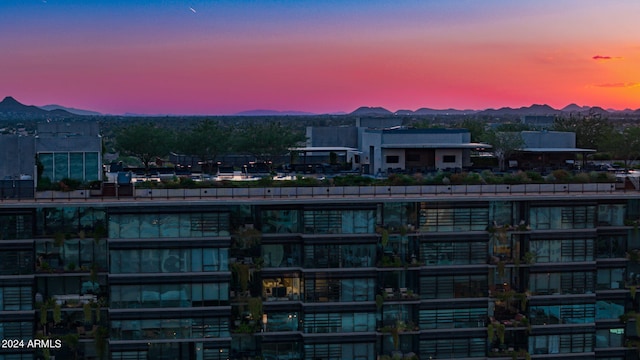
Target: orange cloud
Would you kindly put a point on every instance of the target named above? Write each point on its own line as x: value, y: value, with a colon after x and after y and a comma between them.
x: 619, y: 85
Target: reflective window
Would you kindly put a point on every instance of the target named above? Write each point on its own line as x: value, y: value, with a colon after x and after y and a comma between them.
x: 282, y: 321
x: 611, y: 279
x: 286, y: 350
x: 397, y: 215
x: 453, y: 318
x: 611, y: 246
x: 280, y: 221
x: 398, y: 315
x: 562, y: 283
x: 157, y: 329
x: 89, y: 221
x: 132, y: 226
x: 399, y: 250
x: 441, y: 217
x: 562, y: 217
x: 169, y: 295
x: 608, y: 338
x: 453, y: 348
x: 72, y: 255
x: 562, y: 314
x: 345, y: 290
x: 281, y: 255
x: 339, y: 322
x: 169, y: 260
x: 559, y: 344
x: 355, y: 351
x: 501, y: 213
x: 82, y: 166
x: 336, y: 256
x: 459, y: 286
x: 565, y: 250
x: 339, y: 221
x: 16, y: 262
x: 611, y: 214
x: 609, y: 309
x: 16, y: 330
x: 14, y: 298
x: 71, y: 286
x: 454, y: 253
x: 16, y: 227
x: 92, y: 166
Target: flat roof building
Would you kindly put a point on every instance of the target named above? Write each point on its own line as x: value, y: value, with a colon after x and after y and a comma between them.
x: 464, y: 272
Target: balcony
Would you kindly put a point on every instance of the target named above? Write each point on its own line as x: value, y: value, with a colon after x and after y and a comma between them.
x: 401, y: 294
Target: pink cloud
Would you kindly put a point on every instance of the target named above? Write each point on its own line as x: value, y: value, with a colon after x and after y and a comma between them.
x: 606, y: 57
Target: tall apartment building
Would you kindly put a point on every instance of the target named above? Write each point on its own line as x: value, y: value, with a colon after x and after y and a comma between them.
x: 550, y: 276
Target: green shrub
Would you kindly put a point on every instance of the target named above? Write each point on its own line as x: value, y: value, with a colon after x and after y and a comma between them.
x: 69, y: 184
x: 491, y: 178
x: 535, y: 177
x: 473, y: 179
x: 400, y: 180
x: 561, y: 176
x: 582, y: 178
x: 517, y: 178
x: 601, y: 177
x: 457, y: 179
x: 439, y: 177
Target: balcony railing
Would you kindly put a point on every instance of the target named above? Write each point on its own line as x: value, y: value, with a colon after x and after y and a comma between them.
x: 320, y: 192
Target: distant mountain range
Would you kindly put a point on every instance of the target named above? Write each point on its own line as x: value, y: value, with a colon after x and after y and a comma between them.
x: 535, y: 109
x: 11, y: 107
x: 261, y: 112
x: 71, y: 110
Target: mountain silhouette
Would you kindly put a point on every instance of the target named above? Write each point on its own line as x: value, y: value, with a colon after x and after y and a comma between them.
x: 69, y: 109
x: 11, y: 106
x: 535, y: 109
x: 366, y: 110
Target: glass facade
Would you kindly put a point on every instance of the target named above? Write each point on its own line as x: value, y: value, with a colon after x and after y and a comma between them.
x: 366, y: 279
x: 169, y: 260
x: 559, y: 344
x: 185, y: 225
x: 82, y: 166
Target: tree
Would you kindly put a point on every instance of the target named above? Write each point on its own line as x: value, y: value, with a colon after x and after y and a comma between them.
x: 504, y: 144
x: 591, y: 130
x: 206, y: 140
x: 624, y: 145
x: 477, y: 128
x: 145, y: 142
x: 266, y: 140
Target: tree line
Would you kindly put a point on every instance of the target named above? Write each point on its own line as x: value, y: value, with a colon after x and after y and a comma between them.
x: 207, y: 140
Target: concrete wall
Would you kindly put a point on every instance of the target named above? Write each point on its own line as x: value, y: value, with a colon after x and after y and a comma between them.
x: 337, y: 136
x: 549, y: 139
x: 17, y: 156
x: 378, y: 123
x: 393, y: 152
x: 87, y: 128
x: 373, y: 159
x: 424, y: 136
x: 440, y: 153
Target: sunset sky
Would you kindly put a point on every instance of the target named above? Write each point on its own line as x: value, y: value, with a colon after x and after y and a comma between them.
x: 222, y: 56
